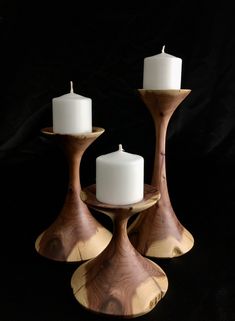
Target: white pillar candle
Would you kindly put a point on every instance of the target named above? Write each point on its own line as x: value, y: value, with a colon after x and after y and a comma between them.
x: 119, y: 178
x: 72, y: 114
x: 162, y: 71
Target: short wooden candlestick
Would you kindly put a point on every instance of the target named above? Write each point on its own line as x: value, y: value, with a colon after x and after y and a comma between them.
x: 119, y: 281
x: 159, y: 233
x: 75, y: 235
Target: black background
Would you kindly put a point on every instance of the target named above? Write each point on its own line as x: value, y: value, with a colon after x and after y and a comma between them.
x: 42, y: 48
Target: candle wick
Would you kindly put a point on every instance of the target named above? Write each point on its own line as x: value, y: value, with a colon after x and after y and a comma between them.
x: 71, y: 87
x: 163, y: 49
x: 120, y: 148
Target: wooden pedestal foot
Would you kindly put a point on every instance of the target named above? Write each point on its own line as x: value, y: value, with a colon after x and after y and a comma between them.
x: 158, y: 233
x: 120, y: 281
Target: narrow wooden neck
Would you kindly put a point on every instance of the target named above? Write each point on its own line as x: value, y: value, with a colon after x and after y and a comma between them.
x: 120, y: 237
x: 74, y: 173
x: 161, y: 104
x: 74, y: 148
x: 159, y: 170
x: 120, y: 227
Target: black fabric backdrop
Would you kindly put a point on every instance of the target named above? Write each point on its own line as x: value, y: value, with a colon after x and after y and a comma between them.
x: 42, y: 48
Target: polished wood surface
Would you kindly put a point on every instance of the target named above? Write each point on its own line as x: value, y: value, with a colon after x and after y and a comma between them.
x: 75, y: 235
x: 120, y: 281
x: 158, y: 232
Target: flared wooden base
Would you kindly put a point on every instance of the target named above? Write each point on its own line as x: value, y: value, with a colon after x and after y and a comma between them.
x: 127, y: 286
x: 66, y: 242
x: 158, y: 233
x: 120, y: 281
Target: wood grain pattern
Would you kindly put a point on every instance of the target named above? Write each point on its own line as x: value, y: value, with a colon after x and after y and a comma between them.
x: 151, y: 196
x: 120, y: 281
x: 158, y: 232
x: 75, y: 235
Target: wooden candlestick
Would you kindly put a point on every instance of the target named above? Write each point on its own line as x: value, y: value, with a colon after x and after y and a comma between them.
x: 119, y: 281
x: 75, y: 235
x: 158, y: 233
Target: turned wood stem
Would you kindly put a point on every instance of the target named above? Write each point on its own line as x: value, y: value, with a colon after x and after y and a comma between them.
x: 75, y: 235
x: 159, y: 171
x: 74, y: 177
x: 120, y: 230
x: 159, y: 233
x: 74, y: 150
x: 120, y: 281
x: 161, y: 110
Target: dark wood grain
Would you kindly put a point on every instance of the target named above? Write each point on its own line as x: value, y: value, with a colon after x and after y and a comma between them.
x: 151, y: 196
x: 158, y: 232
x: 120, y: 281
x: 68, y: 238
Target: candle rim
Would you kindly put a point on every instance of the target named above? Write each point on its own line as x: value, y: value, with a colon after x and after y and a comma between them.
x: 117, y: 157
x: 162, y: 55
x: 71, y: 96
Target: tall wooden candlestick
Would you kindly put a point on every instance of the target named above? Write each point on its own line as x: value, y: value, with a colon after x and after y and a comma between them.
x: 75, y: 235
x: 119, y: 281
x: 159, y: 233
